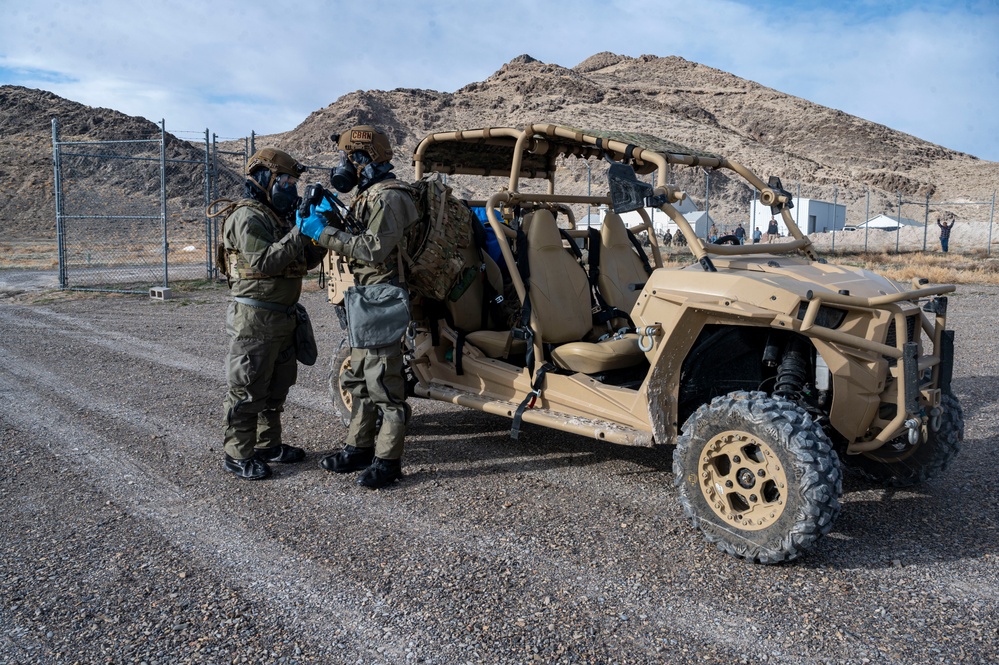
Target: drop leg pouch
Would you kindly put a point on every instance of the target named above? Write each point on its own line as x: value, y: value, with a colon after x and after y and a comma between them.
x: 377, y: 315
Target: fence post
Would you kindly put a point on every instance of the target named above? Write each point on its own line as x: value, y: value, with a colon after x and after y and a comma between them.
x: 867, y: 217
x: 707, y: 204
x: 926, y: 221
x: 163, y: 211
x: 992, y: 210
x: 898, y: 216
x: 57, y: 183
x: 835, y: 219
x: 209, y: 245
x: 797, y: 208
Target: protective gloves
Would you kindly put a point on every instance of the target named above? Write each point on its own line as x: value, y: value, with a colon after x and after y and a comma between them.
x: 313, y: 225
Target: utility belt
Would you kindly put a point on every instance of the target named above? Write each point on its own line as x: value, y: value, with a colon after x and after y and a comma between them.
x: 305, y: 339
x: 262, y: 304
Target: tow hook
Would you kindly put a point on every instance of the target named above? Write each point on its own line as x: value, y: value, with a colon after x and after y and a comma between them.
x: 646, y: 335
x: 915, y: 430
x: 936, y: 416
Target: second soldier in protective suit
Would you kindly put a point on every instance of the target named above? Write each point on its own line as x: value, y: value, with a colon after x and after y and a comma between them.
x: 265, y: 259
x: 385, y: 209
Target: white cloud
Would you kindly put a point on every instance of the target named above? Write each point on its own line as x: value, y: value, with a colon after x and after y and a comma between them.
x: 235, y: 66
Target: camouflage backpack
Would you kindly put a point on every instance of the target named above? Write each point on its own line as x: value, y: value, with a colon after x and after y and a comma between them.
x: 432, y: 256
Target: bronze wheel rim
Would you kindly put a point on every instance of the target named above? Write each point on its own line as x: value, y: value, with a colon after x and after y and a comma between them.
x: 742, y: 480
x: 344, y: 393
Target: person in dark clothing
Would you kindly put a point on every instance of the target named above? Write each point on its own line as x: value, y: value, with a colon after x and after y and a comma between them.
x: 945, y: 228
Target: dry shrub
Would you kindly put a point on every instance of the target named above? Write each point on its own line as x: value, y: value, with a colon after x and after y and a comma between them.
x: 938, y: 268
x: 29, y: 255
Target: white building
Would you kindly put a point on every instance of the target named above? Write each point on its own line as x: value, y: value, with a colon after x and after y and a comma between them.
x: 660, y: 220
x: 811, y: 216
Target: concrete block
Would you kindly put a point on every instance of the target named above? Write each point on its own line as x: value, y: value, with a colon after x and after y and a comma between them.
x: 160, y: 293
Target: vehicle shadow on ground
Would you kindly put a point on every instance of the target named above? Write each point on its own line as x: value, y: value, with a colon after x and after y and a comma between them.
x: 473, y: 444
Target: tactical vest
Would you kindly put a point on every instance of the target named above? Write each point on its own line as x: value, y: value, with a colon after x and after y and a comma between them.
x: 234, y: 265
x: 430, y: 254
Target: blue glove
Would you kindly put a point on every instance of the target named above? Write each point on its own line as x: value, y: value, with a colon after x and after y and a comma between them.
x: 313, y: 225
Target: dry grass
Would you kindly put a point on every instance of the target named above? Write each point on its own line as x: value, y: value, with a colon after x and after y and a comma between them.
x: 952, y: 268
x: 29, y: 255
x: 972, y: 267
x: 44, y: 255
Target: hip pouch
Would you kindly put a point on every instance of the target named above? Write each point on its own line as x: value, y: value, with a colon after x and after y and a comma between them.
x: 377, y: 315
x: 306, y: 351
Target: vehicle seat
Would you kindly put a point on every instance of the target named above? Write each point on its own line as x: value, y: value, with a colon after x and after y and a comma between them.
x: 622, y: 273
x: 466, y: 309
x: 560, y: 300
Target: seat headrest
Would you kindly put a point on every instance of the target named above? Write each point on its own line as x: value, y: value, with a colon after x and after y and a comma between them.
x: 614, y: 231
x: 543, y: 231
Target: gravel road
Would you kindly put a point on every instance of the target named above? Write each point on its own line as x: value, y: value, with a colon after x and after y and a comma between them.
x: 124, y: 542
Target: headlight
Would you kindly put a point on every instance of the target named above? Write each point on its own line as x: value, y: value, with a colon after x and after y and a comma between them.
x: 828, y: 317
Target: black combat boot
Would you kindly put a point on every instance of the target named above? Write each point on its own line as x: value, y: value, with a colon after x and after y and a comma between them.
x: 247, y: 469
x: 282, y: 453
x: 382, y: 472
x: 348, y: 460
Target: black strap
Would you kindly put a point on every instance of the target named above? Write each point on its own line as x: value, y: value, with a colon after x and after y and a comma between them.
x: 530, y: 400
x: 525, y: 332
x: 602, y: 312
x: 641, y: 252
x: 459, y: 347
x: 488, y: 292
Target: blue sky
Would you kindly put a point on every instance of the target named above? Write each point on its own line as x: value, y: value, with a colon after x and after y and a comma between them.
x: 930, y: 69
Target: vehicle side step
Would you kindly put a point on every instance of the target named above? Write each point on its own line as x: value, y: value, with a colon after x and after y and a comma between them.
x: 602, y: 430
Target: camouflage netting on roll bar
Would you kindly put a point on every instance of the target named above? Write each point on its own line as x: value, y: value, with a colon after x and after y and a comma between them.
x: 493, y: 156
x: 646, y: 141
x: 490, y: 156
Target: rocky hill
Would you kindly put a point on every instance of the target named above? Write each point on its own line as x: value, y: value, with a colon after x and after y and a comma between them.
x: 770, y: 132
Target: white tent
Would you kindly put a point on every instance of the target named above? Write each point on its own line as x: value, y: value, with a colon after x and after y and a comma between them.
x: 700, y: 221
x: 886, y: 223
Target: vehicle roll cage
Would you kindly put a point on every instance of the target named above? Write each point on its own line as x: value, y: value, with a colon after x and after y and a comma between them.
x: 532, y: 153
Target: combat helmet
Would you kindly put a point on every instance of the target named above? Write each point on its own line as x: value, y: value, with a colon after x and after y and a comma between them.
x: 368, y: 139
x: 276, y: 161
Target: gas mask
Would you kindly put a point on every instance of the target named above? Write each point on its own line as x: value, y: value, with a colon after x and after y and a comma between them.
x: 284, y: 194
x: 343, y: 176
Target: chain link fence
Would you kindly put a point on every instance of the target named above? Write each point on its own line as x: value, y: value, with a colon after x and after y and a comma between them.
x: 868, y: 220
x: 130, y: 214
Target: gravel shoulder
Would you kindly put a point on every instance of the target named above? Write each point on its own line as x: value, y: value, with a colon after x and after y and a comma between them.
x: 123, y: 541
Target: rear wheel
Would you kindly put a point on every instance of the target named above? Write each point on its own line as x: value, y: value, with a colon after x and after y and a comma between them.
x: 899, y: 463
x: 757, y: 476
x: 340, y: 397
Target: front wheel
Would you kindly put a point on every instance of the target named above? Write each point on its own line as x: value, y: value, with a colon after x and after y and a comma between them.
x: 757, y: 476
x: 901, y: 464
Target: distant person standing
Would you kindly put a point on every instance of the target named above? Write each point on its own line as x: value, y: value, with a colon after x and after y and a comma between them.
x: 757, y: 235
x: 667, y: 238
x: 772, y: 231
x: 945, y: 228
x: 740, y: 233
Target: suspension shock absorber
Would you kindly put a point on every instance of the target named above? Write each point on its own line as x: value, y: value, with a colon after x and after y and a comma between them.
x: 794, y: 370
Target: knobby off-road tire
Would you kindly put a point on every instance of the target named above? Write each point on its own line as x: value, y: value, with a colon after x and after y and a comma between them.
x: 757, y: 476
x: 340, y: 397
x: 899, y: 464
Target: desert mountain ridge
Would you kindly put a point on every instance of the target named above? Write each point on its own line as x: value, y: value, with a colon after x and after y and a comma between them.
x: 830, y: 153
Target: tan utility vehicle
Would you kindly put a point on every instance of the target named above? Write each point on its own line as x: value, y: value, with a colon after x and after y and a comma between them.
x: 763, y: 364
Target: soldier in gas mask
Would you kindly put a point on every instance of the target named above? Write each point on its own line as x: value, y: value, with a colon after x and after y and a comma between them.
x: 265, y: 259
x: 385, y: 209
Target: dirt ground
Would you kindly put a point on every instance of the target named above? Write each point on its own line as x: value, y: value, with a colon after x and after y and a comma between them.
x: 123, y: 541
